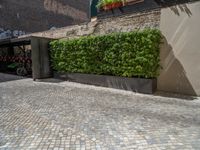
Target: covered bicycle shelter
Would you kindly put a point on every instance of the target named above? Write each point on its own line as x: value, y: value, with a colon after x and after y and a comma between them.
x: 13, y: 56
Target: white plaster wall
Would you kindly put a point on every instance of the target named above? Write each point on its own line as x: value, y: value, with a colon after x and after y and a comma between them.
x: 180, y: 53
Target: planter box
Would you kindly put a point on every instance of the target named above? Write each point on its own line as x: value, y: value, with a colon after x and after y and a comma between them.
x: 137, y: 7
x: 112, y: 6
x: 131, y: 2
x: 140, y: 85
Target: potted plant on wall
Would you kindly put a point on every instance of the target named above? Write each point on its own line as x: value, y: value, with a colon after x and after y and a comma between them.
x: 112, y: 4
x: 109, y: 4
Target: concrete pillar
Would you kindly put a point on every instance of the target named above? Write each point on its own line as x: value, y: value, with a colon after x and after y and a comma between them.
x: 40, y: 58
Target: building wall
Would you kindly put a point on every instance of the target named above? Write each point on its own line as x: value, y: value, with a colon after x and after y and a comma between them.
x: 180, y: 53
x: 40, y: 15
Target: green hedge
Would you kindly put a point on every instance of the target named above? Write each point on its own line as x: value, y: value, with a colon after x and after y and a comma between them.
x: 133, y: 54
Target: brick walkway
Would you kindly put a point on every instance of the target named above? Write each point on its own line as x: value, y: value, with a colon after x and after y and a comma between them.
x: 38, y: 115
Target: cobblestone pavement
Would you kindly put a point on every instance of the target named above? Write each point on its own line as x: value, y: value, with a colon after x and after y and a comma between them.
x: 64, y: 115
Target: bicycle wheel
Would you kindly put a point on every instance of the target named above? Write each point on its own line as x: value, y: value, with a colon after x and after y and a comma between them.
x: 21, y: 71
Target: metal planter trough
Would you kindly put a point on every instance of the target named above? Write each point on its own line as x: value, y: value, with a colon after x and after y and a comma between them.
x: 140, y: 85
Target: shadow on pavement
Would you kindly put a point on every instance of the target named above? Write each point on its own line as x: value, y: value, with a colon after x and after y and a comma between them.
x: 175, y: 95
x: 49, y: 80
x: 9, y: 77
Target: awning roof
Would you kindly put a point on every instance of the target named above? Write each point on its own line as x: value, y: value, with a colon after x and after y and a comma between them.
x: 15, y: 42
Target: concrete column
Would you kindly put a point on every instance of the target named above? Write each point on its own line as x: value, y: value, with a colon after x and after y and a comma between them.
x: 40, y: 58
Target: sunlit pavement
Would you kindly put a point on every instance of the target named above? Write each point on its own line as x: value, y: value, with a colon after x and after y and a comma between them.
x: 65, y: 115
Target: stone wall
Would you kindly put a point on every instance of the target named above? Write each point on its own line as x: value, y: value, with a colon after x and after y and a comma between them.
x: 124, y: 23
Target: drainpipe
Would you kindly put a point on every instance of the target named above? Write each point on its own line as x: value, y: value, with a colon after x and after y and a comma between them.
x: 93, y: 9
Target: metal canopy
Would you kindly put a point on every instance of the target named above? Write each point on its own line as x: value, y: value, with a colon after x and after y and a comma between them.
x: 15, y: 42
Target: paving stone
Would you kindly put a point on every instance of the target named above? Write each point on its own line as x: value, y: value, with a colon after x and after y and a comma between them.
x: 65, y: 115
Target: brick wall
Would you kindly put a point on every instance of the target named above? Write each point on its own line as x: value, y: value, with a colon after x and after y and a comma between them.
x: 40, y: 15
